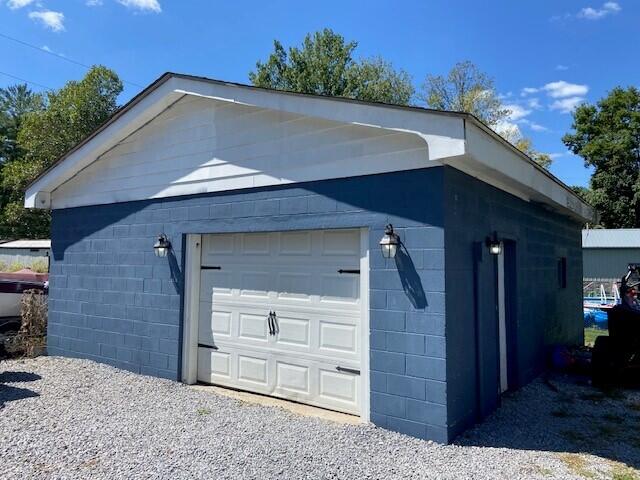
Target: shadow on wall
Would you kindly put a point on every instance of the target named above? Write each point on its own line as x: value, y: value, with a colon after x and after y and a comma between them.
x: 411, y: 282
x: 9, y: 393
x: 176, y: 273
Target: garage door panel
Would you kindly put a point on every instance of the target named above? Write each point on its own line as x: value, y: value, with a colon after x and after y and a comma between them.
x: 340, y: 337
x: 256, y: 244
x: 213, y: 323
x: 292, y: 377
x: 339, y: 387
x: 222, y: 244
x: 213, y: 364
x: 340, y: 243
x: 255, y: 284
x: 293, y: 331
x: 215, y: 282
x: 295, y: 243
x: 253, y: 327
x: 317, y: 315
x: 340, y: 288
x: 294, y: 286
x: 253, y: 369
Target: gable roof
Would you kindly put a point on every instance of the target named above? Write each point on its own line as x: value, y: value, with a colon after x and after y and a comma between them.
x: 453, y: 138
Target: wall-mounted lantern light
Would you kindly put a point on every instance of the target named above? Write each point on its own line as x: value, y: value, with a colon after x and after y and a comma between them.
x: 162, y: 246
x: 494, y: 245
x: 389, y: 242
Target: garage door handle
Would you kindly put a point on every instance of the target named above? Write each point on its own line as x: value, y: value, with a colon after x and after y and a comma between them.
x: 348, y: 370
x: 273, y: 326
x: 356, y: 271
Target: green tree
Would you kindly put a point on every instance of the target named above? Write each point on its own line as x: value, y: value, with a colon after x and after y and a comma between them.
x: 71, y: 114
x: 465, y: 89
x: 607, y: 136
x: 525, y: 146
x: 15, y: 102
x: 324, y: 65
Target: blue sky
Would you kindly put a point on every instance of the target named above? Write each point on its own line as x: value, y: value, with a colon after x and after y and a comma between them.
x: 545, y: 55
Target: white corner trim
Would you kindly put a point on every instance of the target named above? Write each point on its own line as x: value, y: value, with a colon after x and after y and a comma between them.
x: 365, y: 412
x: 191, y: 295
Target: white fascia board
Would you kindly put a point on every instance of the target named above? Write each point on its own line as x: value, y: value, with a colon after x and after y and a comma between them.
x: 443, y: 133
x: 491, y: 160
x: 38, y: 195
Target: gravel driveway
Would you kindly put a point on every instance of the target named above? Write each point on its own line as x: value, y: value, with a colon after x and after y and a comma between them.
x: 63, y: 418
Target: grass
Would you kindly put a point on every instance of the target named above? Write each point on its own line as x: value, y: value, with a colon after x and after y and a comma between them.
x: 620, y: 471
x: 590, y: 335
x: 38, y: 266
x: 203, y: 411
x: 576, y: 465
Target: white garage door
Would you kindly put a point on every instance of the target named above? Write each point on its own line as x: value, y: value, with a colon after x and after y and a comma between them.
x: 280, y: 314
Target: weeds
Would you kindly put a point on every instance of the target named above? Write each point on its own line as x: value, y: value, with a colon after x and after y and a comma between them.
x: 576, y: 464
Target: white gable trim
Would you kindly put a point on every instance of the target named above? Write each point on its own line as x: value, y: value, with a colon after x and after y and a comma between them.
x: 454, y: 139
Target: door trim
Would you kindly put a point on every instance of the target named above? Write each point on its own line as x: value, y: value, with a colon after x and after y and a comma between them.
x: 191, y: 293
x: 503, y: 356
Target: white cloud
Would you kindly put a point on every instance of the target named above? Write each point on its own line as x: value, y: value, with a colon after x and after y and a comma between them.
x: 534, y: 103
x: 566, y: 105
x: 94, y: 3
x: 607, y: 8
x: 143, y: 5
x: 561, y: 68
x: 517, y: 112
x: 561, y: 89
x: 553, y: 156
x: 49, y: 18
x: 47, y: 49
x: 15, y: 4
x: 536, y: 127
x: 528, y: 91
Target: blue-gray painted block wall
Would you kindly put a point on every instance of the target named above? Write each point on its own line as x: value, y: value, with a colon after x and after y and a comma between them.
x: 113, y: 301
x: 545, y: 313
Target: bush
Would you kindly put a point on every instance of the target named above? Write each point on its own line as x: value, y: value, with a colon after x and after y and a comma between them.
x: 32, y: 337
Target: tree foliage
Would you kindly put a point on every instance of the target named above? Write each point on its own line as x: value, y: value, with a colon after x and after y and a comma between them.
x: 15, y: 102
x: 324, y: 65
x: 465, y: 89
x: 607, y: 136
x: 524, y: 145
x: 44, y: 135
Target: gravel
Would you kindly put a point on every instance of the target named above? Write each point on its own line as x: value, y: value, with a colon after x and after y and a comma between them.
x: 66, y: 419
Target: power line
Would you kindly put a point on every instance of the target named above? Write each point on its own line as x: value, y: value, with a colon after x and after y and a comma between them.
x: 57, y: 55
x: 26, y: 81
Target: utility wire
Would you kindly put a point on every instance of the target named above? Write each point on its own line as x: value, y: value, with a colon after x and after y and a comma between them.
x: 57, y: 55
x: 26, y: 81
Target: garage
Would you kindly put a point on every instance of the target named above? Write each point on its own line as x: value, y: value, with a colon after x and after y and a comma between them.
x: 219, y: 233
x: 281, y: 314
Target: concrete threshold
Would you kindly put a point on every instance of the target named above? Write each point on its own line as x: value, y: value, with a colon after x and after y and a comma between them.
x: 292, y: 407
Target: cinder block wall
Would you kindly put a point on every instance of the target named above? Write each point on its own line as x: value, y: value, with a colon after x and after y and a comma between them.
x: 113, y: 301
x: 545, y: 313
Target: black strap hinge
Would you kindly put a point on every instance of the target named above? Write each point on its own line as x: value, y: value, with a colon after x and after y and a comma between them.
x: 348, y: 370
